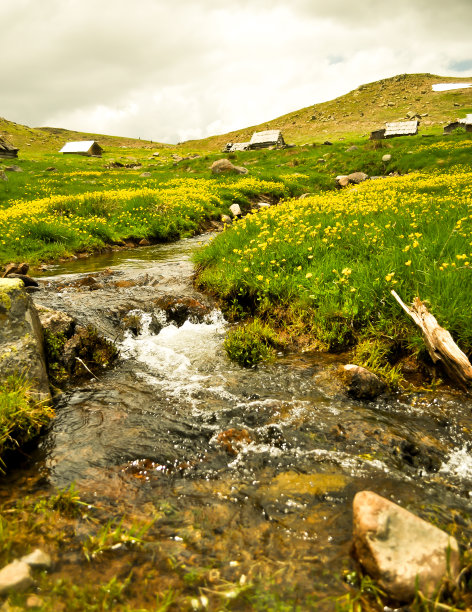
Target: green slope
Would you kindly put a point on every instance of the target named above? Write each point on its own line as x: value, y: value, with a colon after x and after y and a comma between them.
x: 354, y: 114
x: 359, y: 112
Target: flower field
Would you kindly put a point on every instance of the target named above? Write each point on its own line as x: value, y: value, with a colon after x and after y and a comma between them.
x: 62, y: 224
x: 324, y: 266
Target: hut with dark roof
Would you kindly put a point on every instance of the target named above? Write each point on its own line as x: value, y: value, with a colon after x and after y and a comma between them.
x: 7, y: 150
x: 465, y: 123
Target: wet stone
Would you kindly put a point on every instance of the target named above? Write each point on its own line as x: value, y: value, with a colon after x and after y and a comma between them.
x: 38, y: 559
x: 400, y: 550
x: 15, y: 577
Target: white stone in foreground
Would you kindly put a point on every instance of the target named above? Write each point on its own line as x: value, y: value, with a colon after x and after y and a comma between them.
x: 15, y: 576
x: 400, y: 550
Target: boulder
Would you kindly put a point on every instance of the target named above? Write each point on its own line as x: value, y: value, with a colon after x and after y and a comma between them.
x: 226, y: 219
x: 362, y: 384
x: 55, y: 321
x: 144, y: 242
x: 387, y: 157
x: 3, y: 176
x: 224, y: 165
x: 145, y: 175
x: 342, y: 180
x: 353, y: 148
x: 27, y: 280
x: 13, y: 169
x: 357, y: 177
x: 16, y: 576
x: 399, y: 550
x: 21, y: 337
x: 14, y: 268
x: 235, y: 210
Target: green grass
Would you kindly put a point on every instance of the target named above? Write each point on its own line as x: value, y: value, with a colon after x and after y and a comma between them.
x: 21, y: 415
x: 322, y: 268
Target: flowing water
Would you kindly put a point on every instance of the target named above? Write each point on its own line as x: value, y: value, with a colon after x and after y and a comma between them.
x: 253, y: 471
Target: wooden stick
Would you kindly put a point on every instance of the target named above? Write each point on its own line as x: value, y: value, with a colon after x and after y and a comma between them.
x: 439, y: 342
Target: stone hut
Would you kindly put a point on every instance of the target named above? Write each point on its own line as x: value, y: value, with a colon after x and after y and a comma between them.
x: 266, y: 139
x: 90, y: 148
x: 7, y: 150
x: 465, y: 123
x: 396, y: 128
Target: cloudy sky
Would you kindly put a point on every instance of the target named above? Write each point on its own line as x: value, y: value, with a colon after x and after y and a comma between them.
x: 173, y: 70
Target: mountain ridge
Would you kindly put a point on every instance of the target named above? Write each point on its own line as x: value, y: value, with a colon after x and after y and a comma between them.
x: 352, y: 115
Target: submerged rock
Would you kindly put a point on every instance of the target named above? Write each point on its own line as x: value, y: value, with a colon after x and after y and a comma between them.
x: 21, y: 337
x: 362, y: 384
x: 400, y: 550
x: 16, y: 576
x: 38, y: 559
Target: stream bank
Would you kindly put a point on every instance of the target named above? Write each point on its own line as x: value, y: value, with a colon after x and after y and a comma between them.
x: 247, y: 474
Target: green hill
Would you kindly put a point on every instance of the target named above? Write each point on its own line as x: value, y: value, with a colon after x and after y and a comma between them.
x: 366, y: 108
x: 50, y: 140
x: 352, y: 115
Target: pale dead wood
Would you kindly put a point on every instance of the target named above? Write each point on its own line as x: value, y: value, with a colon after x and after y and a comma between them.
x: 439, y: 342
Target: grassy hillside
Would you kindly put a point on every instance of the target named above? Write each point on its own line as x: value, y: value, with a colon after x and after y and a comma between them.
x: 366, y: 108
x: 352, y: 115
x: 46, y: 139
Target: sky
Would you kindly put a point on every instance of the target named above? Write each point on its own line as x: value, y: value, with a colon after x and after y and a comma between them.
x: 175, y: 70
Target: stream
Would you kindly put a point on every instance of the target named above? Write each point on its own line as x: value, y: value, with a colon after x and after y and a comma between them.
x: 254, y: 470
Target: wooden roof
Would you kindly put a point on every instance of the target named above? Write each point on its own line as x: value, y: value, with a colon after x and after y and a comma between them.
x: 82, y: 146
x: 401, y: 128
x: 268, y: 136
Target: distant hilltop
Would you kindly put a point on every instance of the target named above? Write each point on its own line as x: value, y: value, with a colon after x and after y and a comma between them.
x: 355, y: 114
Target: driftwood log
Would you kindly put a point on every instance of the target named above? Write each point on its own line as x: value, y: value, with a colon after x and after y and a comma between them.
x: 439, y: 343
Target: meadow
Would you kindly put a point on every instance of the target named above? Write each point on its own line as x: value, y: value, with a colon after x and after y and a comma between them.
x: 314, y: 272
x: 319, y: 270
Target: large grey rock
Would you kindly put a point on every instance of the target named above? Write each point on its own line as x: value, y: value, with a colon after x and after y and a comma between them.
x: 387, y: 157
x: 224, y: 165
x: 399, y: 550
x: 3, y: 176
x: 15, y: 576
x: 21, y: 337
x: 55, y: 321
x: 361, y: 383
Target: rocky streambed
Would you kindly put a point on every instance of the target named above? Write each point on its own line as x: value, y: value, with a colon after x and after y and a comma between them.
x: 249, y: 475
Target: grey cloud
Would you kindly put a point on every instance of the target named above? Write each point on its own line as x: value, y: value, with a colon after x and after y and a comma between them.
x: 186, y: 68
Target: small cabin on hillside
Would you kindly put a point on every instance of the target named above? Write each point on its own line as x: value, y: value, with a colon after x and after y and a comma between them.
x: 266, y: 139
x: 396, y: 128
x: 7, y: 150
x: 465, y: 123
x: 235, y: 146
x: 83, y: 147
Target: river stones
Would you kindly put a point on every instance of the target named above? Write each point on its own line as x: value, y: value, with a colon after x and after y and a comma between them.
x: 399, y: 550
x: 38, y: 559
x: 362, y: 384
x: 16, y: 576
x: 21, y: 337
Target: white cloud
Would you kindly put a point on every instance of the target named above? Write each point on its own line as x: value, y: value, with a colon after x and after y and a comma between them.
x: 173, y: 71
